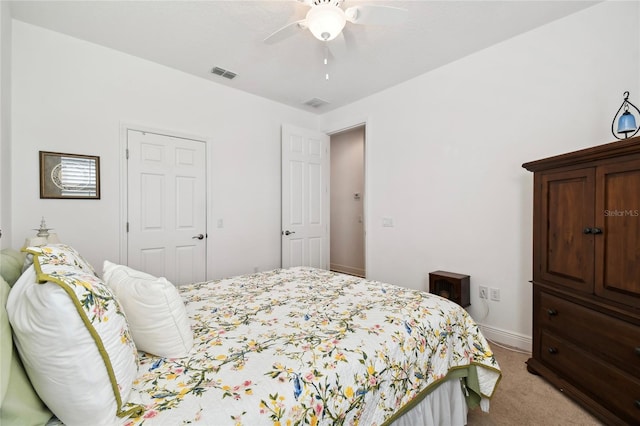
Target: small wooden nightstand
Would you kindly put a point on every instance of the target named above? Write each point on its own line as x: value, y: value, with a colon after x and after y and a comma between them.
x: 450, y: 285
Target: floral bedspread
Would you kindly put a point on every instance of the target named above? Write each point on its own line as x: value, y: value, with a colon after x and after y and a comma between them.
x: 307, y: 346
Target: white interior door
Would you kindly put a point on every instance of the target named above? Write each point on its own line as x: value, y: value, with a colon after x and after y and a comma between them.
x: 305, y: 198
x: 166, y: 206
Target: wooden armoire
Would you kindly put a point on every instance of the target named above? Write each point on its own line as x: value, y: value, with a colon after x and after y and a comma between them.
x: 586, y: 277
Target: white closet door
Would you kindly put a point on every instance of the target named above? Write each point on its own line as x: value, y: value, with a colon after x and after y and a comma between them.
x: 166, y: 206
x: 305, y: 198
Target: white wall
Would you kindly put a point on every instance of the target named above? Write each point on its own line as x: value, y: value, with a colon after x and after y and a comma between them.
x: 444, y: 153
x: 72, y: 96
x: 443, y: 150
x: 347, y: 211
x: 5, y: 124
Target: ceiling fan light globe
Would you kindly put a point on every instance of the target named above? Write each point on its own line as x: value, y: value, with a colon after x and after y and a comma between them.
x: 325, y: 21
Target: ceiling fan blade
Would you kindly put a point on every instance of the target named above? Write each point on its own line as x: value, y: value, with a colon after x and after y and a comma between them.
x: 376, y: 15
x: 286, y: 31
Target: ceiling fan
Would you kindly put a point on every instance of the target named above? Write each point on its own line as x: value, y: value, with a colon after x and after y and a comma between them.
x: 326, y: 19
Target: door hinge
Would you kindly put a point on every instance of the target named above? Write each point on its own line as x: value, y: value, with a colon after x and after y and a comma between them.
x: 127, y: 153
x: 127, y: 226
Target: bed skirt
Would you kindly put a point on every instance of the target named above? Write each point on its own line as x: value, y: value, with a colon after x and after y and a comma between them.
x: 445, y: 405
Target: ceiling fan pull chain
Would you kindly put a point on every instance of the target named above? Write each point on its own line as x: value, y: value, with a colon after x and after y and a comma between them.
x: 326, y: 59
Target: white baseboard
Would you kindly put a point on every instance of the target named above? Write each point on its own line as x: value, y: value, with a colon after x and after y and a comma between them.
x: 507, y: 338
x: 347, y: 269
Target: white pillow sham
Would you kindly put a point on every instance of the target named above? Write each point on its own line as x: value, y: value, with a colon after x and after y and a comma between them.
x: 155, y: 311
x: 59, y: 255
x: 74, y: 342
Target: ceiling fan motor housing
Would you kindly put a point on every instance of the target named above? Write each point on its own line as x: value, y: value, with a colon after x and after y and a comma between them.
x: 319, y: 2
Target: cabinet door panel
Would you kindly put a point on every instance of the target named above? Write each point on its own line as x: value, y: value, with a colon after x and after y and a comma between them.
x: 565, y: 251
x: 618, y: 215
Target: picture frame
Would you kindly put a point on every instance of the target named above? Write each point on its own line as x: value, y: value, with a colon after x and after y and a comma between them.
x: 69, y: 176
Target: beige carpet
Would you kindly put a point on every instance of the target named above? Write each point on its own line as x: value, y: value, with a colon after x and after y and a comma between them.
x: 526, y: 399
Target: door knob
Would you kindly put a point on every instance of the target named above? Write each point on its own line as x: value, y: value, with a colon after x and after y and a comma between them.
x: 287, y: 232
x: 199, y: 237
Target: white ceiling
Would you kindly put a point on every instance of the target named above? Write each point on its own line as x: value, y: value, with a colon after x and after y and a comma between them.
x: 195, y: 36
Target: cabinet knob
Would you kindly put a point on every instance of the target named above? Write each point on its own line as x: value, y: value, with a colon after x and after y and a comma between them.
x: 637, y: 350
x: 552, y: 350
x: 552, y: 312
x: 586, y: 231
x: 637, y: 403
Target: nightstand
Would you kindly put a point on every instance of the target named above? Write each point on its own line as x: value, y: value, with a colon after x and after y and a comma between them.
x: 450, y: 285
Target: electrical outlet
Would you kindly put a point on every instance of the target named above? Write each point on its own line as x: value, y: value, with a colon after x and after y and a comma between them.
x: 484, y: 292
x: 495, y: 294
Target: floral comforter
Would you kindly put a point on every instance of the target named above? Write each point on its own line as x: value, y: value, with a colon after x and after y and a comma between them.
x: 307, y: 346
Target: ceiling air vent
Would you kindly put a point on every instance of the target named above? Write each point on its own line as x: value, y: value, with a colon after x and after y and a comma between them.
x: 316, y: 102
x: 223, y: 73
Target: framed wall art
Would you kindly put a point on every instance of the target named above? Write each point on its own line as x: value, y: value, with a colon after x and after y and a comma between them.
x: 69, y: 175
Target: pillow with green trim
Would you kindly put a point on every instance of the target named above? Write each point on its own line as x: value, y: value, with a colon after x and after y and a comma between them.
x: 74, y: 341
x: 60, y: 255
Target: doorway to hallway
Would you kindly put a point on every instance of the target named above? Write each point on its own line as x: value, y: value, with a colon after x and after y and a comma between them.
x: 347, y: 230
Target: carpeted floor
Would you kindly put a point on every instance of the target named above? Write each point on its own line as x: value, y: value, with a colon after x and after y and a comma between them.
x: 526, y: 399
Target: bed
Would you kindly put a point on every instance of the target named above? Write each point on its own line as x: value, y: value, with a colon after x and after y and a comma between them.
x: 288, y: 346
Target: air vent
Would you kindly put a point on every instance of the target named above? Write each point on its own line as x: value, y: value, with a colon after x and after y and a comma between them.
x: 316, y: 103
x: 223, y: 73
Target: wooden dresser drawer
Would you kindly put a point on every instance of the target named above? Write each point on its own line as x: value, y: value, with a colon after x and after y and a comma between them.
x: 615, y: 389
x: 611, y: 338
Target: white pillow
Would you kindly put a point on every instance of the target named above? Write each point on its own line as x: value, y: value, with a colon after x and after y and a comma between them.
x: 73, y: 340
x: 156, y: 313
